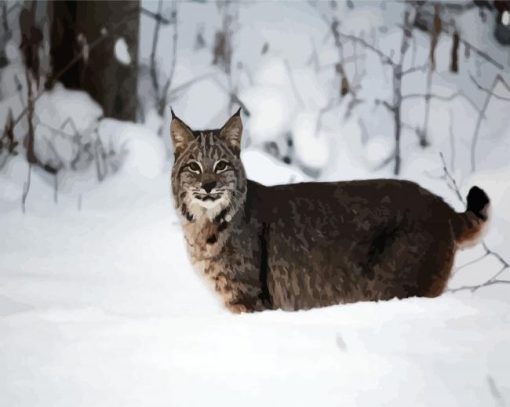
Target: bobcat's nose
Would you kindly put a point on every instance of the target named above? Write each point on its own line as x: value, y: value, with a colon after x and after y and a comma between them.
x: 208, y: 186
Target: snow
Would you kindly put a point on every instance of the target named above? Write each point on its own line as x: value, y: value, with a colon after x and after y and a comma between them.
x: 268, y: 171
x: 99, y: 305
x: 121, y: 51
x: 73, y: 113
x: 312, y: 148
x: 505, y: 18
x: 144, y: 151
x: 271, y: 113
x: 104, y: 309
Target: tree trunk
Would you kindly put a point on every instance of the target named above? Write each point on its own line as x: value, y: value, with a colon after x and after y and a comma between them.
x: 92, y: 29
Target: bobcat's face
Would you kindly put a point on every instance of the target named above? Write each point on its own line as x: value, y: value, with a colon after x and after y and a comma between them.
x: 208, y: 178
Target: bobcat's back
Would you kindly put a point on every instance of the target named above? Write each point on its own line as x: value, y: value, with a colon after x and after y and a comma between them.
x: 349, y: 241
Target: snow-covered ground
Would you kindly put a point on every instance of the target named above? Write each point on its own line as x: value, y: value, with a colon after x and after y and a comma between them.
x: 99, y: 305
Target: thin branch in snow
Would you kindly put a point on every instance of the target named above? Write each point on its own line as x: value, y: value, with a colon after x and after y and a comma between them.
x: 168, y: 83
x: 155, y: 39
x: 476, y: 133
x: 158, y: 17
x: 452, y: 141
x: 183, y: 86
x: 448, y: 98
x: 484, y: 89
x: 384, y: 58
x: 495, y: 391
x: 330, y: 105
x: 419, y: 68
x: 233, y: 97
x: 470, y: 263
x: 452, y: 184
x: 474, y: 288
x: 293, y: 84
x: 26, y: 188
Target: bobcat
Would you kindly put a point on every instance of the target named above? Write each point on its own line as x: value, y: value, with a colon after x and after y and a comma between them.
x: 308, y: 245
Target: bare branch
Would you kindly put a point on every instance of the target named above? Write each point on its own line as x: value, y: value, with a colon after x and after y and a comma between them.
x: 293, y: 84
x: 386, y: 104
x: 234, y: 97
x: 158, y: 17
x: 26, y: 188
x: 484, y: 89
x: 384, y: 58
x: 155, y: 38
x: 420, y: 68
x: 168, y: 83
x: 452, y: 183
x: 448, y: 98
x: 474, y: 288
x: 176, y: 90
x: 490, y: 93
x: 488, y: 252
x: 470, y: 263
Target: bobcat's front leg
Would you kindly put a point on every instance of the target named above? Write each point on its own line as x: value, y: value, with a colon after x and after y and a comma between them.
x: 240, y: 296
x: 240, y: 306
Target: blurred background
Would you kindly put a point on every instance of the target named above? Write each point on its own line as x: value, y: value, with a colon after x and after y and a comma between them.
x: 330, y: 90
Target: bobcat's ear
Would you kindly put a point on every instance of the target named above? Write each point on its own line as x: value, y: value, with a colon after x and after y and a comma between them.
x: 181, y: 134
x: 232, y: 130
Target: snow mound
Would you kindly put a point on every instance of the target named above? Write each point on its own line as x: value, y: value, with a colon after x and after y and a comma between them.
x: 270, y: 112
x: 144, y: 152
x: 265, y: 169
x: 62, y: 117
x: 121, y: 51
x: 312, y: 148
x: 59, y: 106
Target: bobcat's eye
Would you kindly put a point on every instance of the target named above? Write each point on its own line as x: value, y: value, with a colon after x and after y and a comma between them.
x: 220, y: 166
x: 194, y: 167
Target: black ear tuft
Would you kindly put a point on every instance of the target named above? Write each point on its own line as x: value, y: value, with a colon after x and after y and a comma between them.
x: 238, y: 113
x: 173, y: 114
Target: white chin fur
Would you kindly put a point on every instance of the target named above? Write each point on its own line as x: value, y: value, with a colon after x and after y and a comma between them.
x: 208, y: 204
x: 211, y: 209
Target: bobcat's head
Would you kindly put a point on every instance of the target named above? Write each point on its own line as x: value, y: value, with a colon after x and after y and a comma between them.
x: 208, y: 178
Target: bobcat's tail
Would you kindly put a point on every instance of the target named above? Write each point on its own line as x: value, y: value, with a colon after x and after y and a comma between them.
x: 470, y: 226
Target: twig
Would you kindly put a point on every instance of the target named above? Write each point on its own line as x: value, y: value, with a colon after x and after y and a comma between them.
x: 490, y: 94
x: 488, y: 252
x: 384, y: 58
x: 168, y: 83
x: 234, y: 97
x: 156, y: 16
x: 452, y: 184
x: 484, y: 89
x: 188, y: 83
x: 471, y: 262
x: 293, y: 84
x: 155, y: 38
x: 474, y: 288
x: 448, y: 98
x: 452, y: 141
x: 26, y: 188
x: 413, y: 69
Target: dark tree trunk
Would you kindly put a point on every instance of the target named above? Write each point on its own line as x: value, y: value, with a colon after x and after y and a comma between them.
x: 91, y: 29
